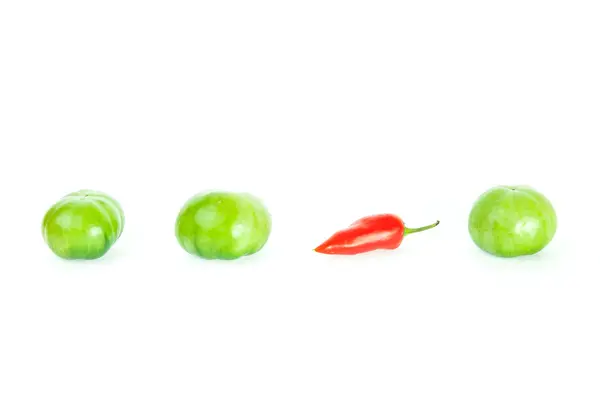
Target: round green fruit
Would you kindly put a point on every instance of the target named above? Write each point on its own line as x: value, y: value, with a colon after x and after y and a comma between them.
x: 83, y: 225
x: 512, y: 221
x: 223, y: 225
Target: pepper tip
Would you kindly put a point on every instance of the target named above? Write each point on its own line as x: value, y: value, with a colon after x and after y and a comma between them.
x: 320, y: 249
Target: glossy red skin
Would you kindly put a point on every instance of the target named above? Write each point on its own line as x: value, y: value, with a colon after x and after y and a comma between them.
x: 383, y: 231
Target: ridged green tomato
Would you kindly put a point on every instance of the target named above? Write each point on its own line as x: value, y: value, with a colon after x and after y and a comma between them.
x: 83, y: 225
x: 223, y: 225
x: 512, y: 221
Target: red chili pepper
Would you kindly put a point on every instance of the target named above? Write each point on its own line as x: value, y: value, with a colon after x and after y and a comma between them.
x: 383, y: 231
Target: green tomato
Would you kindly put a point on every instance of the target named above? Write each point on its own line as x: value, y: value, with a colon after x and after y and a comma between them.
x: 223, y: 225
x: 512, y: 221
x: 83, y: 225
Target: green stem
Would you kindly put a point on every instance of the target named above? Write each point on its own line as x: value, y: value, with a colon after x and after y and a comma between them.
x: 421, y: 229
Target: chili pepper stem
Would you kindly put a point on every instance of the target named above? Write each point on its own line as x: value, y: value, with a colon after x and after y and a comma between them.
x: 421, y: 229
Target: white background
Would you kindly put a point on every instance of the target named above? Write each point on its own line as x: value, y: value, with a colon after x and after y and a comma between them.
x: 329, y: 111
